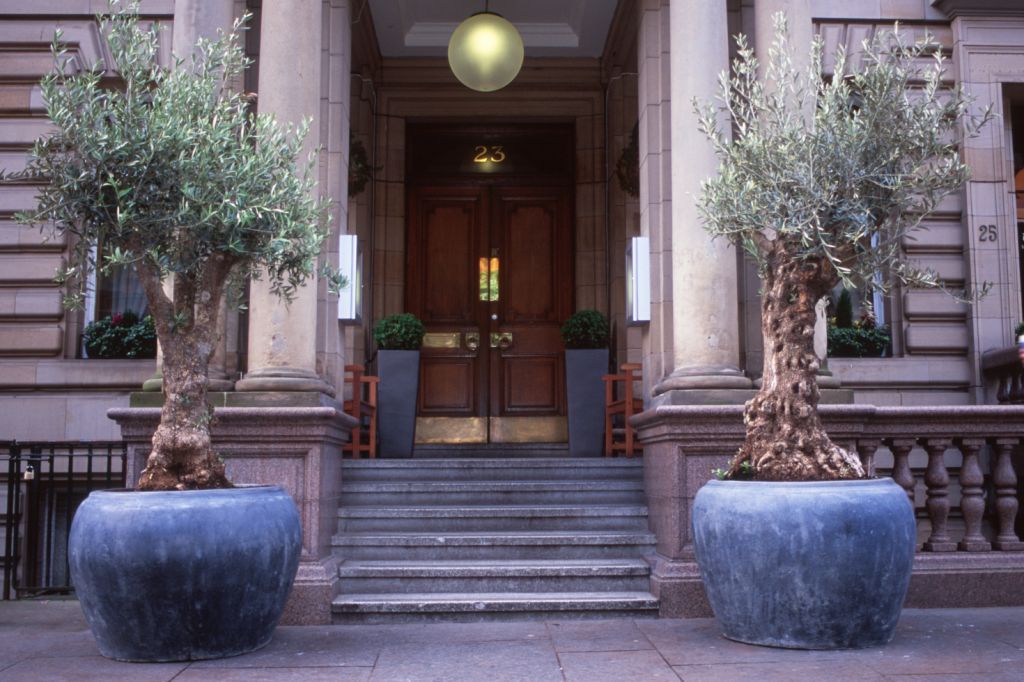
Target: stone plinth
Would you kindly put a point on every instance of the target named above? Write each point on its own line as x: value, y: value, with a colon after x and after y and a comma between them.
x: 298, y: 448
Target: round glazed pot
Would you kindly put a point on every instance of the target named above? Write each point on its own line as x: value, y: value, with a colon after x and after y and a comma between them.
x: 808, y: 565
x: 184, y: 575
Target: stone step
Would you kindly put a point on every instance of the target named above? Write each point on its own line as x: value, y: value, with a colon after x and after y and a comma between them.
x: 381, y: 608
x: 556, y: 469
x: 581, y: 575
x: 502, y: 492
x: 510, y: 546
x: 490, y: 517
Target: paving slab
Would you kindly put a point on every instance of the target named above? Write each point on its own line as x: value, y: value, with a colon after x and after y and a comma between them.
x: 302, y: 647
x: 779, y: 672
x: 49, y: 640
x: 616, y: 666
x: 88, y: 669
x: 484, y: 661
x: 699, y: 641
x: 599, y: 635
x: 331, y: 674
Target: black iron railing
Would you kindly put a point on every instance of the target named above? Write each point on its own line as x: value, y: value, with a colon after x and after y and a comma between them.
x: 45, y: 484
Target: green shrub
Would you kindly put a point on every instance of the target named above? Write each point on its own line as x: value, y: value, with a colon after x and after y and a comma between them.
x: 858, y: 342
x: 844, y: 310
x: 1018, y: 330
x: 121, y: 336
x: 399, y: 332
x: 586, y: 329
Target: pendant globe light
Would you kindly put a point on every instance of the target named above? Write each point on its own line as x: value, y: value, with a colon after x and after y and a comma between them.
x: 485, y: 52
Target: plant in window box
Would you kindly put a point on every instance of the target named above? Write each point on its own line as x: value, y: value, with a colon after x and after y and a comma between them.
x: 174, y: 176
x: 820, y: 180
x: 585, y: 335
x: 861, y: 338
x: 121, y: 336
x: 398, y: 338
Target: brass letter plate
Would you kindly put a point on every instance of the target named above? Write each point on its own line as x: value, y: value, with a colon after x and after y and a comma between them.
x: 442, y: 340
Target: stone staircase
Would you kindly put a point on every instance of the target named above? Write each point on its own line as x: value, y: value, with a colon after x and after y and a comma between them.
x: 495, y: 538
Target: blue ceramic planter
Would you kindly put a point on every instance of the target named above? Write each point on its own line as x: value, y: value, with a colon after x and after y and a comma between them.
x: 812, y: 565
x: 184, y: 575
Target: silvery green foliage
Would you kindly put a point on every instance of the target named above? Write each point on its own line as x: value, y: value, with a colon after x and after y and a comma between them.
x: 842, y: 168
x: 168, y: 170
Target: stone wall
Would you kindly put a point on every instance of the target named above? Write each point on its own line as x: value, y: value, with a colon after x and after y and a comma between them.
x: 45, y: 392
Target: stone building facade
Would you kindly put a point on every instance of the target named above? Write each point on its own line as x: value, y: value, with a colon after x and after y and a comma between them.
x: 600, y: 76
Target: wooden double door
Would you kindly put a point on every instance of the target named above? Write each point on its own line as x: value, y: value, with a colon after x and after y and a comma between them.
x: 490, y: 274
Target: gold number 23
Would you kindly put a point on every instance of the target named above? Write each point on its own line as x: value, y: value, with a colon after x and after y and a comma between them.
x: 494, y: 153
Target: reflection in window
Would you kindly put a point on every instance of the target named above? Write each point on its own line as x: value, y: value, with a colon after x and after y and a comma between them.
x: 119, y: 291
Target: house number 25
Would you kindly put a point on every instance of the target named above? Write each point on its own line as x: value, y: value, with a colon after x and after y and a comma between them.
x: 987, y: 233
x: 494, y: 153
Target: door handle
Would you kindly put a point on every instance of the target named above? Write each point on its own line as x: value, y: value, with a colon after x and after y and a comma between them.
x: 501, y: 340
x: 473, y: 341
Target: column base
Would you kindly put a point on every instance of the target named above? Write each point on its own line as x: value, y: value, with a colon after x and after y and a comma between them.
x: 245, y: 399
x: 155, y: 384
x: 826, y: 379
x: 703, y: 377
x: 703, y: 385
x: 283, y: 379
x: 678, y: 587
x: 315, y: 587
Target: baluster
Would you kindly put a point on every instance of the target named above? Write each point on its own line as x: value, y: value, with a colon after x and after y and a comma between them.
x: 937, y: 479
x: 866, y: 449
x: 1005, y: 481
x: 901, y: 472
x: 1016, y: 387
x: 972, y: 503
x: 1005, y: 387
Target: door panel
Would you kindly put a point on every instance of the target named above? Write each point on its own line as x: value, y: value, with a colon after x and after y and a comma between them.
x: 532, y: 229
x: 442, y: 289
x: 494, y: 261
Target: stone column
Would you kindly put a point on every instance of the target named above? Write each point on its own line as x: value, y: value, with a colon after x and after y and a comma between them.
x: 282, y: 336
x: 705, y: 317
x: 194, y: 19
x: 801, y: 29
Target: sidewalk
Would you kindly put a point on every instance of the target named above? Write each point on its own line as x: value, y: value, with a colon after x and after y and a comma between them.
x: 48, y: 640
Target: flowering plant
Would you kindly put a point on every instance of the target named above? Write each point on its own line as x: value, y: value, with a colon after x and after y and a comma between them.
x: 120, y: 336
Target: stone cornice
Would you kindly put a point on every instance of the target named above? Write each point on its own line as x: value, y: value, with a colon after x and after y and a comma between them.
x: 955, y: 8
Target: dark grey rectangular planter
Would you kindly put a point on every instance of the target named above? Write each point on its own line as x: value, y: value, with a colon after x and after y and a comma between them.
x: 399, y: 372
x: 585, y: 391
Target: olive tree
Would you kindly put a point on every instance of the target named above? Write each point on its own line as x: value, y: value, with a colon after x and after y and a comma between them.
x: 167, y: 171
x: 820, y: 180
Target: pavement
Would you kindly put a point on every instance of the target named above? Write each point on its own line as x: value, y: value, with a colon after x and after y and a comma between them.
x: 49, y: 640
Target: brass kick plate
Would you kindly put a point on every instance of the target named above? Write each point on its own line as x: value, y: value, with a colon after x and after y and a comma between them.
x: 494, y: 430
x: 529, y: 430
x: 451, y: 430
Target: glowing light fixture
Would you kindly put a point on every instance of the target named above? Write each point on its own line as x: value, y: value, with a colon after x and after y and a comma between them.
x: 485, y: 52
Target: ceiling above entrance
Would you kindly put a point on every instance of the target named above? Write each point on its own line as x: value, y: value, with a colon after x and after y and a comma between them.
x: 562, y: 28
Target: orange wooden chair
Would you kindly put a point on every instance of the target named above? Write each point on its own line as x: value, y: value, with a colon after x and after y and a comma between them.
x: 621, y: 438
x: 363, y: 407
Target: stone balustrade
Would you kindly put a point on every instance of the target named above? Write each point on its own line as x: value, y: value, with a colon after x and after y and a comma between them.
x: 958, y: 465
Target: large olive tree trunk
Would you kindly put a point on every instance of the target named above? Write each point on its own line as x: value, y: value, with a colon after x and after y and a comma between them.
x: 785, y: 439
x: 182, y: 456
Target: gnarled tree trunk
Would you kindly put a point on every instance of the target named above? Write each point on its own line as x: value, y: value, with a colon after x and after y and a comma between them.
x: 785, y: 438
x: 182, y: 456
